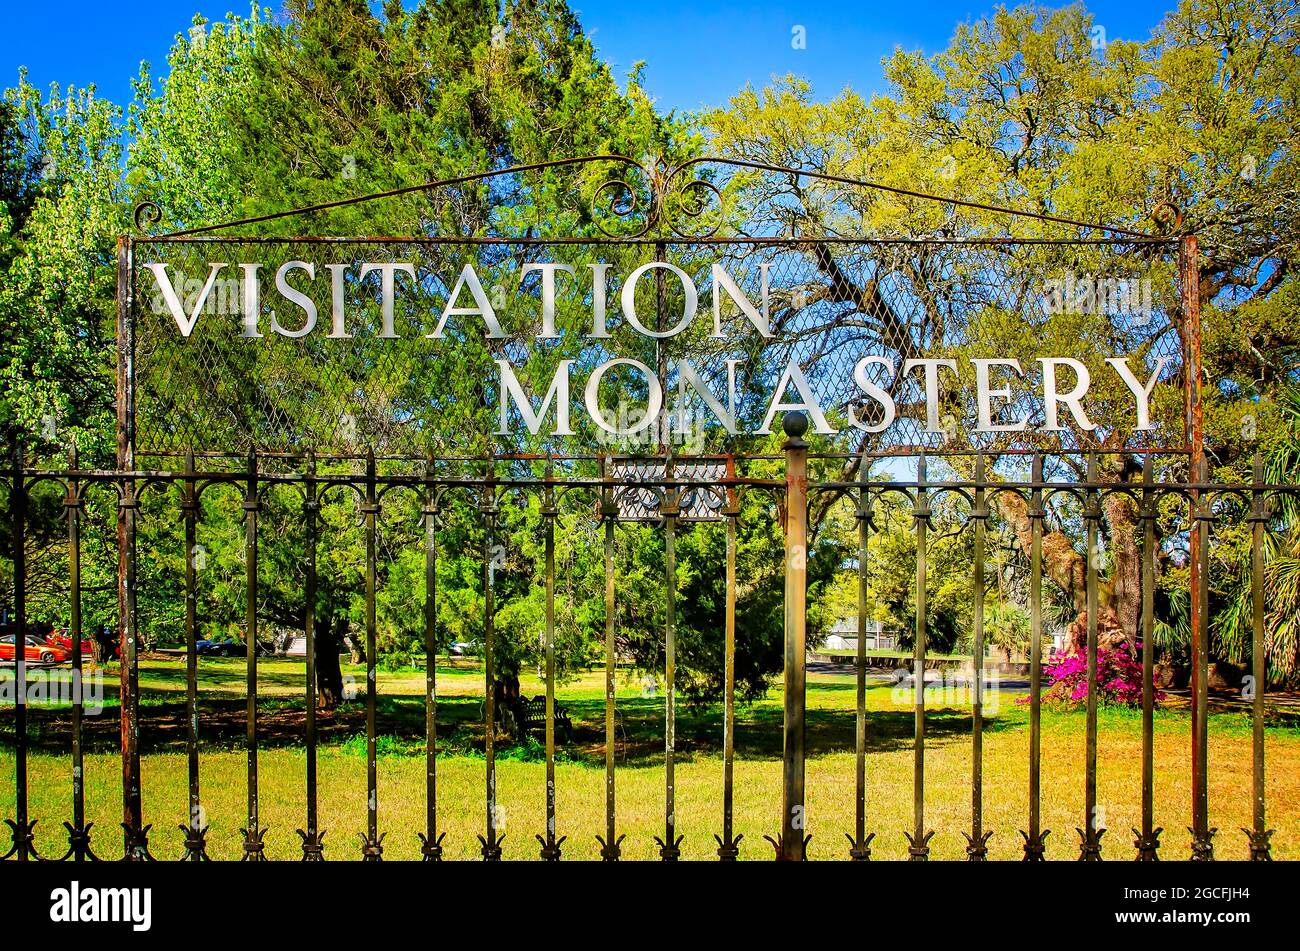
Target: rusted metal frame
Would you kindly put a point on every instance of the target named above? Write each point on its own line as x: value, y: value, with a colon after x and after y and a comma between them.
x: 20, y: 826
x: 1035, y: 836
x: 729, y: 842
x: 661, y: 181
x: 135, y: 834
x: 147, y: 211
x: 791, y: 843
x: 1202, y: 515
x: 79, y: 848
x: 195, y: 829
x: 550, y: 845
x: 977, y: 840
x: 416, y: 482
x: 136, y: 844
x: 635, y: 241
x: 491, y: 841
x: 907, y: 193
x: 670, y: 845
x: 1259, y: 835
x: 919, y: 838
x: 1092, y: 831
x: 1147, y: 842
x: 610, y: 843
x: 254, y: 834
x: 313, y: 847
x: 860, y: 841
x: 1198, y: 560
x: 372, y: 843
x: 431, y: 838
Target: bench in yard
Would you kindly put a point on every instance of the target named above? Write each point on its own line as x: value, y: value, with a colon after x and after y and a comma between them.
x: 534, y: 719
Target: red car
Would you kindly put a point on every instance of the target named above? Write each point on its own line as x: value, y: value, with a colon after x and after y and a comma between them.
x: 35, y: 650
x: 61, y: 640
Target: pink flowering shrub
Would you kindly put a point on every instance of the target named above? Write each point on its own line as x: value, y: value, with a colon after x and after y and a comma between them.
x: 1119, y: 678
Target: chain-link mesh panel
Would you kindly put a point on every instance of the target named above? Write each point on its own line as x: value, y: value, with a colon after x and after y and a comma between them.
x: 421, y: 374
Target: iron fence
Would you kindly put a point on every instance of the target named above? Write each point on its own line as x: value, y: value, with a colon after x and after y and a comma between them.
x: 553, y: 482
x: 391, y: 416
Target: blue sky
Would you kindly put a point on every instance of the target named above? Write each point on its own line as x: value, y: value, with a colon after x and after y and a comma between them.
x: 698, y: 54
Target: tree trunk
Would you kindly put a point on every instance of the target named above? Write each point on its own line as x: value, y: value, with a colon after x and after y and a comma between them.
x: 1119, y: 592
x: 329, y: 675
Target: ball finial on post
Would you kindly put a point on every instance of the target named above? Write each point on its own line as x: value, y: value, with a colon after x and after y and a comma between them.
x: 795, y: 424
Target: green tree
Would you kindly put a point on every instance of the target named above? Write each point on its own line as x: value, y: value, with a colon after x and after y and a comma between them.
x: 1022, y: 110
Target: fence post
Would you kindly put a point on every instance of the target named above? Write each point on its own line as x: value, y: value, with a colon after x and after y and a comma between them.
x: 609, y: 845
x: 21, y: 826
x: 1259, y: 834
x: 1189, y: 281
x: 135, y: 834
x: 254, y: 833
x: 793, y: 843
x: 195, y: 828
x: 312, y: 847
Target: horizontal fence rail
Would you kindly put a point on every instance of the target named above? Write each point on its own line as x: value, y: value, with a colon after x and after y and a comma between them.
x: 283, y: 500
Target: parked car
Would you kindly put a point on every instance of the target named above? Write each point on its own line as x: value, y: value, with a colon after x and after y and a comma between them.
x: 207, y: 648
x: 60, y: 639
x: 231, y: 648
x: 35, y: 650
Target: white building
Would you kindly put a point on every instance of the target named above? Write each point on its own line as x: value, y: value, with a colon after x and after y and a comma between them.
x: 844, y: 636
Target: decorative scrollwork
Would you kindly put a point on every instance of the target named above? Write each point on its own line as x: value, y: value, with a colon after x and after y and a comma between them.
x: 146, y: 215
x: 1035, y: 845
x: 313, y: 846
x: 610, y: 851
x: 431, y: 848
x: 372, y: 848
x: 137, y: 844
x: 648, y: 491
x: 618, y: 198
x: 1090, y: 843
x: 1202, y: 844
x: 196, y: 842
x: 918, y: 847
x: 779, y: 844
x: 671, y: 850
x: 690, y: 200
x: 492, y: 850
x: 728, y: 851
x: 1148, y: 846
x: 666, y: 200
x: 1259, y: 845
x: 860, y: 851
x: 551, y: 848
x: 79, y: 849
x: 254, y: 846
x: 23, y: 837
x: 977, y: 845
x: 1169, y: 216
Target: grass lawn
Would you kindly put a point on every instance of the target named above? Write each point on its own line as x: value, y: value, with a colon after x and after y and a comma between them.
x: 580, y: 771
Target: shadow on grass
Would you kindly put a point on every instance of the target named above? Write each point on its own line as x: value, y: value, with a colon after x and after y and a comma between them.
x: 400, y: 726
x: 281, y: 720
